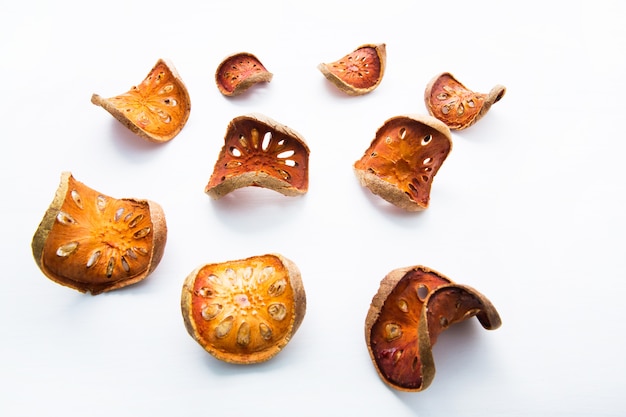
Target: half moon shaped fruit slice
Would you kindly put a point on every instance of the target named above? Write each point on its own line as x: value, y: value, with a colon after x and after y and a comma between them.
x: 258, y: 151
x: 238, y: 72
x: 95, y: 243
x: 157, y: 109
x: 456, y: 105
x: 360, y: 71
x: 403, y: 159
x: 244, y: 311
x: 411, y: 308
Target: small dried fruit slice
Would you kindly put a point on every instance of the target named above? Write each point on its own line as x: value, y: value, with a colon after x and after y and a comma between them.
x: 259, y: 151
x: 359, y: 72
x: 244, y: 311
x: 403, y: 159
x: 238, y: 72
x: 157, y: 109
x: 454, y: 104
x: 411, y: 308
x: 94, y: 243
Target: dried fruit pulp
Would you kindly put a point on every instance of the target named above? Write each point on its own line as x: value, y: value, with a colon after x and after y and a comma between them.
x: 244, y: 311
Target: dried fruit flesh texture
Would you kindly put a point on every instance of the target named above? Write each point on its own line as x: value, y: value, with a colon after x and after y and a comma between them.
x: 157, y: 109
x: 359, y: 72
x: 403, y: 159
x: 238, y: 72
x: 95, y: 243
x: 454, y: 104
x: 244, y: 311
x: 412, y: 307
x: 260, y: 152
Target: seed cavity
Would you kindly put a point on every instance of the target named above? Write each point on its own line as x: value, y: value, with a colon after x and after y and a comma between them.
x: 286, y: 154
x: 443, y: 321
x: 471, y: 103
x: 445, y: 109
x: 286, y: 176
x: 93, y: 258
x: 277, y: 311
x: 267, y: 138
x: 210, y: 311
x: 393, y: 331
x: 76, y: 198
x: 125, y: 264
x: 265, y: 274
x: 67, y: 249
x: 235, y: 152
x: 136, y: 220
x: 224, y: 327
x: 101, y: 203
x: 403, y: 306
x: 118, y: 214
x: 266, y: 331
x: 277, y: 288
x: 397, y: 355
x: 110, y: 267
x: 427, y: 139
x: 64, y: 218
x: 460, y: 110
x: 422, y: 292
x: 243, y: 334
x: 402, y: 133
x: 141, y: 233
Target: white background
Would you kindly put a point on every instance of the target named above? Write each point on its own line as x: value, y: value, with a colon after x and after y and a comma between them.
x: 528, y: 208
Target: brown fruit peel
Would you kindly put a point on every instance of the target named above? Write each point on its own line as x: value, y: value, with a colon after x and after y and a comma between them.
x: 157, y: 109
x: 244, y: 311
x: 360, y: 71
x: 403, y: 159
x: 411, y: 308
x: 95, y: 243
x: 238, y: 72
x: 454, y: 104
x: 259, y: 151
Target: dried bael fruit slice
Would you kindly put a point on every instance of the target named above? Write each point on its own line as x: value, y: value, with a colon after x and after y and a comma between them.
x: 455, y: 105
x: 259, y: 151
x: 94, y: 243
x: 238, y: 72
x: 157, y: 109
x: 360, y: 71
x: 244, y: 311
x: 403, y: 158
x: 411, y: 308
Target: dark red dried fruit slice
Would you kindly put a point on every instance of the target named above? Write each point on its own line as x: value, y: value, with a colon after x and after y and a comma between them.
x: 157, y: 109
x: 238, y: 72
x: 411, y: 308
x: 359, y: 72
x: 259, y: 151
x: 454, y: 104
x: 403, y: 159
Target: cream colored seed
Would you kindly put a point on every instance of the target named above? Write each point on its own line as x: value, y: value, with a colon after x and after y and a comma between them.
x: 67, y: 249
x: 140, y: 234
x: 392, y: 332
x: 93, y: 258
x: 266, y: 331
x: 210, y: 311
x: 224, y: 327
x: 265, y: 274
x: 277, y: 311
x: 77, y: 199
x: 101, y: 202
x: 277, y: 288
x: 403, y: 306
x: 64, y: 218
x: 243, y: 334
x: 110, y: 267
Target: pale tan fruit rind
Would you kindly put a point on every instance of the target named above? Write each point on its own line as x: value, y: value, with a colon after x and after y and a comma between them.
x: 355, y: 79
x: 155, y: 110
x: 238, y: 72
x: 411, y: 308
x: 282, y: 166
x: 81, y: 221
x: 244, y: 311
x: 403, y: 159
x: 457, y: 106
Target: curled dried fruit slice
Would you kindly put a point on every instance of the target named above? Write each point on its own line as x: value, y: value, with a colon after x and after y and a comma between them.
x: 411, y: 308
x: 157, y: 109
x: 244, y: 311
x: 360, y: 71
x: 455, y: 105
x: 95, y: 243
x: 260, y: 152
x: 403, y: 158
x: 238, y: 72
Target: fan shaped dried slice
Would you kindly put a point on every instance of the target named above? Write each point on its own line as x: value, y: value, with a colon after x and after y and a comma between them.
x: 94, y: 243
x: 411, y: 308
x: 403, y: 159
x: 360, y: 71
x: 157, y: 109
x: 454, y: 104
x: 238, y: 72
x: 244, y: 311
x: 259, y: 151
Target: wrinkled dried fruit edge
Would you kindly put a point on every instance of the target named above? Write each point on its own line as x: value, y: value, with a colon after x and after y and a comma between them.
x: 261, y: 77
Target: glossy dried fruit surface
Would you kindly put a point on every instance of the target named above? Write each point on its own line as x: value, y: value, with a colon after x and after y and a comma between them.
x: 360, y: 71
x: 244, y: 311
x: 454, y: 104
x: 411, y: 308
x: 403, y: 159
x: 95, y: 243
x: 157, y: 109
x: 259, y: 151
x: 238, y: 72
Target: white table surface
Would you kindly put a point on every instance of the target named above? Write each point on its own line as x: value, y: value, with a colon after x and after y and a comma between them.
x: 529, y: 208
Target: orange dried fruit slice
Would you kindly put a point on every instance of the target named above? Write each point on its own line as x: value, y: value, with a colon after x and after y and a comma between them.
x: 454, y: 104
x: 411, y: 308
x: 259, y: 151
x: 403, y: 159
x: 244, y: 311
x: 360, y: 71
x: 240, y: 71
x: 94, y: 243
x: 157, y: 109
